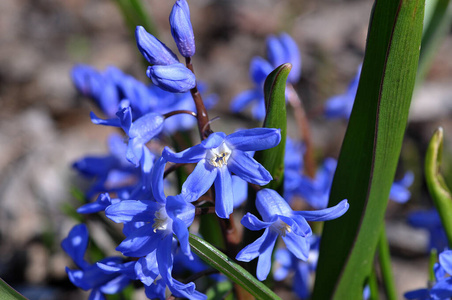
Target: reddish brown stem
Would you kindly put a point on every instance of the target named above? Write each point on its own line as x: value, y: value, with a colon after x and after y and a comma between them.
x: 177, y: 112
x: 303, y: 126
x: 202, y: 116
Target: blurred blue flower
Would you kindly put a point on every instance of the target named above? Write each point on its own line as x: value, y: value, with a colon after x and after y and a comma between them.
x: 280, y: 220
x: 217, y: 157
x: 181, y: 28
x: 340, y: 106
x: 442, y: 288
x: 430, y: 220
x: 283, y: 49
x: 91, y: 276
x: 399, y: 189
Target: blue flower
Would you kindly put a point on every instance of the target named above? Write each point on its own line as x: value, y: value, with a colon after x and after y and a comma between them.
x: 283, y: 49
x: 340, y: 106
x: 92, y: 277
x: 259, y: 70
x: 430, y: 221
x: 217, y: 157
x: 442, y: 288
x: 316, y: 191
x: 399, y: 189
x: 97, y: 86
x: 181, y: 28
x: 280, y: 220
x: 175, y: 78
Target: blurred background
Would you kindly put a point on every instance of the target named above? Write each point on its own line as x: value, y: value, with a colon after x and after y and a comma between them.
x: 45, y: 125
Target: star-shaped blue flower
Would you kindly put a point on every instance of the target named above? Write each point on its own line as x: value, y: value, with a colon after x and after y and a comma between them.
x: 280, y: 220
x: 217, y: 157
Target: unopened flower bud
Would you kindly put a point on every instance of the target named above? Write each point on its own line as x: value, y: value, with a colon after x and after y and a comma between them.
x: 155, y: 52
x: 175, y: 78
x: 181, y: 28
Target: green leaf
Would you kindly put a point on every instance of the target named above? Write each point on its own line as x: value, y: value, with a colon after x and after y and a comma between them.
x: 8, y: 293
x: 437, y: 20
x: 134, y: 14
x: 272, y: 159
x: 275, y: 103
x: 371, y: 148
x: 231, y: 269
x: 440, y: 193
x: 219, y: 290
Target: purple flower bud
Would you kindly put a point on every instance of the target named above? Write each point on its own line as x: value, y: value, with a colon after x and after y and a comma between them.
x: 181, y: 28
x: 175, y: 78
x: 155, y: 52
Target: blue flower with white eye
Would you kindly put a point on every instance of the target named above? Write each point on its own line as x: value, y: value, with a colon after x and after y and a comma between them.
x: 340, y: 106
x: 280, y: 220
x: 91, y: 276
x: 217, y: 157
x: 153, y: 240
x: 442, y: 288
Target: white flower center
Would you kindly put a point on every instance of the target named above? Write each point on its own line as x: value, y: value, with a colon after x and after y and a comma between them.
x: 281, y: 227
x: 161, y: 220
x: 219, y: 156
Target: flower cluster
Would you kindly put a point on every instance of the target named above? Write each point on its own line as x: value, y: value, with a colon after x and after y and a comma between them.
x: 129, y: 182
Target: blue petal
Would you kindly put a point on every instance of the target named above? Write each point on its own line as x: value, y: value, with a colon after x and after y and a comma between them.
x: 224, y: 198
x: 275, y: 51
x: 181, y: 231
x: 146, y: 269
x: 255, y: 139
x: 199, y: 181
x: 244, y: 166
x: 418, y: 294
x: 298, y: 245
x: 96, y: 294
x: 156, y: 290
x: 264, y: 262
x: 75, y: 245
x: 115, y: 285
x: 195, y: 153
x: 115, y: 122
x: 283, y: 262
x: 155, y: 52
x: 325, y: 214
x: 251, y: 222
x: 293, y: 53
x: 255, y: 249
x: 445, y: 260
x: 243, y: 99
x: 259, y: 70
x: 270, y: 204
x: 442, y: 289
x: 132, y: 211
x: 140, y: 242
x: 157, y: 180
x: 165, y: 259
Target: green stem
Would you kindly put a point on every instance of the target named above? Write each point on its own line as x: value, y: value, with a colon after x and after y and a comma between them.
x: 432, y: 261
x: 373, y: 284
x: 384, y: 258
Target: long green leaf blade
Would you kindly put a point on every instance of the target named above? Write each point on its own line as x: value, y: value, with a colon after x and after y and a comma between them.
x: 8, y: 293
x: 371, y: 148
x: 442, y: 197
x: 231, y: 269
